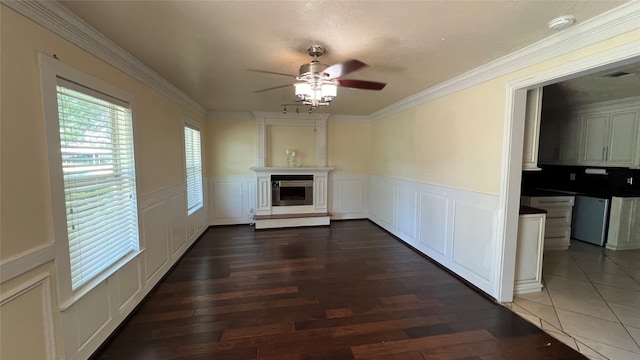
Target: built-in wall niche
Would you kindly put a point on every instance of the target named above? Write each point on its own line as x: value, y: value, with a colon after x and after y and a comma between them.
x: 300, y: 141
x: 306, y: 134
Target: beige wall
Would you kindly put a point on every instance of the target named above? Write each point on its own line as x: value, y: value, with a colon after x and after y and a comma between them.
x: 348, y: 146
x: 232, y: 146
x: 457, y: 140
x: 301, y: 139
x: 25, y: 208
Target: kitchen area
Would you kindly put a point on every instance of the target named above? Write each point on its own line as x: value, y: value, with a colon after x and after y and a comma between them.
x: 578, y: 253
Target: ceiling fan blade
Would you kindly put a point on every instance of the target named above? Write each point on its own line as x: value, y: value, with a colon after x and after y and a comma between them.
x: 273, y: 88
x: 361, y: 84
x: 271, y: 72
x: 344, y: 68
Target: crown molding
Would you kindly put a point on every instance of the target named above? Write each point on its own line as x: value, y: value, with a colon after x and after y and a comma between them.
x: 279, y: 115
x: 230, y: 115
x: 56, y: 18
x: 620, y: 20
x: 349, y: 118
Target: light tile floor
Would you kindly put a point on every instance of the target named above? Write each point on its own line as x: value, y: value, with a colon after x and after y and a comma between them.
x: 590, y: 301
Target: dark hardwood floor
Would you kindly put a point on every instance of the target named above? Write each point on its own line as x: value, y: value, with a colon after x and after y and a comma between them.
x: 348, y: 291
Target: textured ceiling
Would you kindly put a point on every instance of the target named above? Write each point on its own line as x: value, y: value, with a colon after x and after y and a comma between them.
x: 594, y: 88
x: 205, y: 47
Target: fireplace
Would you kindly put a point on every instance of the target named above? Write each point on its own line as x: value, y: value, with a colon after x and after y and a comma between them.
x: 291, y: 190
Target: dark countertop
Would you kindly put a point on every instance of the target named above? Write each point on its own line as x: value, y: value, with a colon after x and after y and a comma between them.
x: 528, y: 210
x: 599, y: 193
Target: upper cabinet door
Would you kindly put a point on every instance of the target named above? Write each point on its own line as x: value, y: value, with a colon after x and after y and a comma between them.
x: 570, y: 131
x: 549, y: 149
x: 623, y: 138
x: 532, y: 130
x: 596, y: 128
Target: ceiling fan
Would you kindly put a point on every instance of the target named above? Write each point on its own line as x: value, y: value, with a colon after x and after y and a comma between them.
x: 317, y: 83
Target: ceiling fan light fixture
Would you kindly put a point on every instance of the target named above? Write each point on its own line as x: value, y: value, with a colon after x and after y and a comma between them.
x: 316, y: 93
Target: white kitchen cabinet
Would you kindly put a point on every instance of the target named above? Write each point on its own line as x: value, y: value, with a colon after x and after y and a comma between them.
x: 549, y: 145
x: 604, y: 134
x: 557, y: 233
x: 532, y: 130
x: 529, y: 251
x: 596, y: 129
x: 560, y: 140
x: 624, y: 224
x: 610, y: 139
x: 623, y: 139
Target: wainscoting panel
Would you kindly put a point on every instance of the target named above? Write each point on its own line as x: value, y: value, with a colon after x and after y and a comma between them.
x: 228, y: 200
x: 93, y: 313
x: 434, y: 225
x: 348, y: 198
x: 382, y: 197
x: 232, y: 200
x: 177, y: 210
x: 473, y: 226
x: 456, y: 228
x: 407, y: 214
x: 29, y: 300
x: 129, y: 284
x: 154, y: 238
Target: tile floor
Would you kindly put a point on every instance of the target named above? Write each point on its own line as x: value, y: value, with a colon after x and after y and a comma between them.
x: 590, y: 301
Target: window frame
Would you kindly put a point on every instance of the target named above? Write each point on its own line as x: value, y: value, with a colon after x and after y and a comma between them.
x: 50, y: 70
x: 189, y: 123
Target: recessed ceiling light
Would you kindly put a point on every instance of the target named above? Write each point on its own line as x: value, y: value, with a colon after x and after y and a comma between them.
x: 562, y: 22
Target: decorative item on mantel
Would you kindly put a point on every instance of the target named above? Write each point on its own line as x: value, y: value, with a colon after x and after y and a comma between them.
x: 292, y: 158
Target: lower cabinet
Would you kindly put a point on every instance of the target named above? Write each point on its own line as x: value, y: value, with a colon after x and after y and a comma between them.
x: 557, y: 234
x: 624, y: 224
x: 529, y: 250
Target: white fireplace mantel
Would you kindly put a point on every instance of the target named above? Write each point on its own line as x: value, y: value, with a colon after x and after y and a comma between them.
x: 320, y: 186
x: 291, y: 170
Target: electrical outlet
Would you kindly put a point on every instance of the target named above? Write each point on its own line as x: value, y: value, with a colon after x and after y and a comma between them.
x: 572, y: 176
x: 630, y: 180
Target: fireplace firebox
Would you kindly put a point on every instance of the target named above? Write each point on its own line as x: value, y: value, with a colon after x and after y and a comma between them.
x: 291, y: 190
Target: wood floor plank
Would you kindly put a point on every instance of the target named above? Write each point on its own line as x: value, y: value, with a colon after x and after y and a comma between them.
x: 402, y: 346
x: 241, y: 294
x: 342, y: 292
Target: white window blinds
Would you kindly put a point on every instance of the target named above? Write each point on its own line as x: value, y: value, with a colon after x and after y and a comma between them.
x: 193, y: 162
x: 96, y: 144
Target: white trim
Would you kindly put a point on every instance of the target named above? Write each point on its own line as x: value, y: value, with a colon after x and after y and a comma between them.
x: 349, y: 118
x: 26, y: 261
x: 62, y: 22
x: 229, y: 115
x: 50, y: 70
x: 149, y: 199
x: 513, y: 141
x: 43, y: 279
x: 317, y: 121
x: 620, y: 20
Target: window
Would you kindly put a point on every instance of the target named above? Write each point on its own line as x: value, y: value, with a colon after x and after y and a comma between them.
x: 193, y: 161
x: 98, y: 173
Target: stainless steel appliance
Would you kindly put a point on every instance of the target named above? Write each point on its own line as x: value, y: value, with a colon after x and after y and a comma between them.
x: 590, y: 219
x: 290, y: 192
